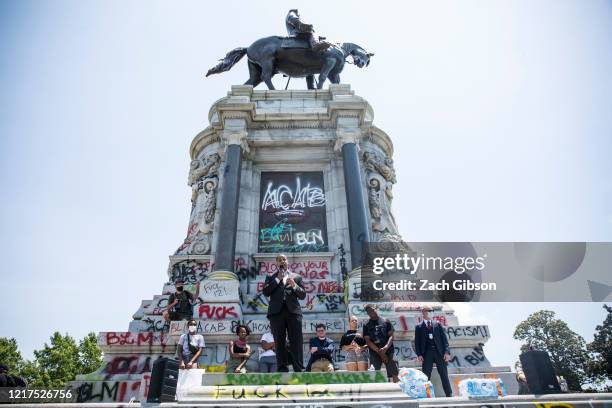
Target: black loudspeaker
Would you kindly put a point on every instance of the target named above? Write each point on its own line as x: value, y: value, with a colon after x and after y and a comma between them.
x: 164, y: 377
x: 539, y: 372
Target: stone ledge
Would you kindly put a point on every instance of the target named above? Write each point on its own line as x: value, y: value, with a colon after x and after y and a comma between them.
x: 338, y: 377
x: 286, y: 392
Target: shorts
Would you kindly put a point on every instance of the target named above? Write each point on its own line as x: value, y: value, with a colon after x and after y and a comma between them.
x: 233, y: 363
x: 391, y: 366
x: 322, y: 365
x: 352, y: 357
x: 187, y: 358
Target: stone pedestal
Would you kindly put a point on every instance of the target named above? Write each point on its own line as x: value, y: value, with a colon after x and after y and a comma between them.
x: 298, y: 172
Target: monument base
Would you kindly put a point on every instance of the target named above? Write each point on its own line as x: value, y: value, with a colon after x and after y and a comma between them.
x: 196, y: 386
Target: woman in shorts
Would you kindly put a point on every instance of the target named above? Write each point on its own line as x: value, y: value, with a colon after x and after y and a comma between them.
x: 239, y: 351
x: 355, y: 347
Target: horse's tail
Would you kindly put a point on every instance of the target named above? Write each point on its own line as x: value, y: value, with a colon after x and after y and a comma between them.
x: 230, y: 59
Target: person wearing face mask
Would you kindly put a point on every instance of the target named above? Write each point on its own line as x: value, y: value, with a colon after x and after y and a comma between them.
x: 180, y: 304
x: 190, y: 346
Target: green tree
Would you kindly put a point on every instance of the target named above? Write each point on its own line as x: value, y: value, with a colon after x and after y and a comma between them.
x: 90, y: 356
x: 60, y: 362
x: 600, y: 349
x: 33, y: 374
x: 10, y: 355
x: 567, y: 350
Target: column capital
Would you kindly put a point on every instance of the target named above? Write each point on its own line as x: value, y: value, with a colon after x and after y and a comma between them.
x: 355, y: 273
x: 347, y: 135
x: 235, y: 137
x: 222, y: 275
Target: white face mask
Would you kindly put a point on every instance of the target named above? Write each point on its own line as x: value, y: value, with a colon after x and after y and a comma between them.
x: 192, y: 329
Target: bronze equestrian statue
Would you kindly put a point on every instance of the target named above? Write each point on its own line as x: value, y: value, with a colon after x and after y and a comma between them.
x: 298, y: 55
x: 297, y: 29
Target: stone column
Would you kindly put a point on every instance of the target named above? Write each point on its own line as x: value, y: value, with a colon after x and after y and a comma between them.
x: 234, y: 137
x: 348, y: 143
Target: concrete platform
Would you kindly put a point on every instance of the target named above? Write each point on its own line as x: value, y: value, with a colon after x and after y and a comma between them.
x: 601, y: 400
x: 291, y: 378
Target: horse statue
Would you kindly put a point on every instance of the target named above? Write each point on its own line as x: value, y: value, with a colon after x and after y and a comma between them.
x: 271, y: 55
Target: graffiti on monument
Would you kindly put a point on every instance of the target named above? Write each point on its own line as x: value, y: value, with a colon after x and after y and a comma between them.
x: 218, y: 311
x: 322, y: 302
x: 306, y: 269
x: 305, y: 378
x: 148, y: 339
x: 157, y: 305
x: 219, y: 291
x: 330, y: 302
x: 315, y: 286
x: 128, y: 364
x: 189, y: 271
x: 281, y: 392
x: 292, y: 212
x: 467, y: 332
x: 150, y: 324
x: 113, y: 391
x: 468, y: 357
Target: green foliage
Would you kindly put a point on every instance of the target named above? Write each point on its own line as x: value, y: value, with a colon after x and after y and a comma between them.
x: 10, y: 355
x: 90, y: 356
x: 567, y: 349
x: 33, y: 374
x: 56, y: 363
x: 600, y: 365
x: 60, y: 360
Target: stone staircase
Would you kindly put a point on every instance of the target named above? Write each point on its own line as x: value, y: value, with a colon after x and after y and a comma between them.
x: 282, y: 388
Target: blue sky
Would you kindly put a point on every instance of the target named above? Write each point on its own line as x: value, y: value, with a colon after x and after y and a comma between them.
x: 499, y: 112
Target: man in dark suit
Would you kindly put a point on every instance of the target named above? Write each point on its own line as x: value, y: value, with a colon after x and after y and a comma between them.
x: 431, y: 346
x: 284, y: 289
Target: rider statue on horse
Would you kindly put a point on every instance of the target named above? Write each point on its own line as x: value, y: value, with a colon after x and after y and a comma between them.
x: 298, y: 55
x: 297, y: 29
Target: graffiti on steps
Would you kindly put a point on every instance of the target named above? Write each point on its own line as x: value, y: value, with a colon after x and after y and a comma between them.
x: 467, y: 332
x: 305, y: 378
x: 112, y: 391
x: 217, y: 311
x: 219, y: 291
x: 135, y: 339
x: 469, y: 357
x: 323, y: 303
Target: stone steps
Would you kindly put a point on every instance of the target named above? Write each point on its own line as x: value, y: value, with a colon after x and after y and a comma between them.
x: 260, y: 379
x: 600, y: 400
x: 306, y: 393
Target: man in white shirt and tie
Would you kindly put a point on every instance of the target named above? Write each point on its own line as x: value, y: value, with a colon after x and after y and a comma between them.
x: 431, y: 346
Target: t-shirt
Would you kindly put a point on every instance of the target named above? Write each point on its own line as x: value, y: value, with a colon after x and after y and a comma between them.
x: 196, y: 340
x: 268, y: 338
x: 377, y: 331
x: 350, y: 336
x: 184, y: 302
